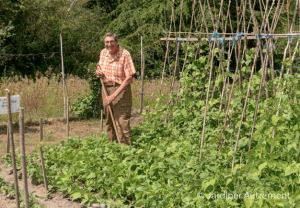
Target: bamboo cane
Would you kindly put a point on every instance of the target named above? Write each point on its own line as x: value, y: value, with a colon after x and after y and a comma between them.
x: 206, y: 104
x: 174, y: 71
x: 186, y: 52
x: 278, y: 108
x: 244, y: 108
x: 110, y: 110
x: 12, y: 145
x: 284, y: 55
x: 227, y: 111
x: 211, y: 16
x: 224, y: 82
x: 23, y: 157
x: 41, y: 155
x: 261, y: 82
x: 208, y: 88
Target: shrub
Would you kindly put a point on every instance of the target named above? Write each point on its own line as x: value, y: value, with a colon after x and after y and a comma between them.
x: 88, y: 106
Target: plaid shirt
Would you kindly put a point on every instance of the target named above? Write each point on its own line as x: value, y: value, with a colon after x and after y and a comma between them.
x: 116, y: 67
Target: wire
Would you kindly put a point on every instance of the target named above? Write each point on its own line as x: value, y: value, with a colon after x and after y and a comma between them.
x: 37, y: 54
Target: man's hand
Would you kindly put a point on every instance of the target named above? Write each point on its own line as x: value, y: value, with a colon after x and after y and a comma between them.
x: 98, y: 72
x: 109, y: 99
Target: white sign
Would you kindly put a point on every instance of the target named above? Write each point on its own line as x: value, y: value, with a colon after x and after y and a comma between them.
x: 15, y: 104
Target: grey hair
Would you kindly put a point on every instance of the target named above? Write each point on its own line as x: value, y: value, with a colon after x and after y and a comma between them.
x: 111, y: 35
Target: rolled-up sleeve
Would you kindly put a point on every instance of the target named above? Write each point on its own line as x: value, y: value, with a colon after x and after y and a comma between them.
x: 129, y: 68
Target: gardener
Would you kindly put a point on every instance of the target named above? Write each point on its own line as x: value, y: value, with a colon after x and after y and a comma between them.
x: 117, y: 68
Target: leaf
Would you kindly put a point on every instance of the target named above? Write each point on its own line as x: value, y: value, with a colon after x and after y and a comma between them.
x: 161, y: 165
x: 208, y: 183
x: 92, y: 175
x: 140, y: 152
x: 76, y: 195
x: 228, y: 181
x: 275, y: 119
x: 248, y: 201
x: 288, y: 171
x: 262, y: 166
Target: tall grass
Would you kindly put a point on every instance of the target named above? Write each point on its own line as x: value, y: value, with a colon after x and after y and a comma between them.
x: 43, y: 97
x: 152, y: 90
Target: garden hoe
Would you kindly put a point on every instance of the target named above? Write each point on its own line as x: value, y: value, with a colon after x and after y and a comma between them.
x: 110, y: 111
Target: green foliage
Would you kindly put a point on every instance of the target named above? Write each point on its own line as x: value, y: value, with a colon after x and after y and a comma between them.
x: 162, y: 169
x: 94, y: 81
x: 6, y: 188
x: 84, y: 106
x: 33, y: 27
x: 88, y: 106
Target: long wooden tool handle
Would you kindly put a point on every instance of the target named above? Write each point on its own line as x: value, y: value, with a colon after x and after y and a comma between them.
x: 110, y: 111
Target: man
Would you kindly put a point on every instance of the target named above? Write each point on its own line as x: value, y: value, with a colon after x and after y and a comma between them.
x: 117, y: 68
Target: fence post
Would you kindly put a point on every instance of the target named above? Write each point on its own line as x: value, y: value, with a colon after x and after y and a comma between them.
x: 12, y: 148
x: 7, y: 145
x: 23, y: 157
x: 41, y: 155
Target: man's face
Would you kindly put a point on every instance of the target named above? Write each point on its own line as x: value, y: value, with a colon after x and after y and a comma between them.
x: 111, y: 45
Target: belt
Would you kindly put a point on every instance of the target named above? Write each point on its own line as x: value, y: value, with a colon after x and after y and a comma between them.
x: 111, y: 84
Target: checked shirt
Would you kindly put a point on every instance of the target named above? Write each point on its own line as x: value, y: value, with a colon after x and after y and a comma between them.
x: 116, y: 67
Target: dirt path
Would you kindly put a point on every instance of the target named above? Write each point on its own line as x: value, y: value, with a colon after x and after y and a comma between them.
x: 55, y: 200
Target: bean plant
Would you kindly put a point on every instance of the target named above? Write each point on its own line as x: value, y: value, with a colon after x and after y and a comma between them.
x: 162, y: 168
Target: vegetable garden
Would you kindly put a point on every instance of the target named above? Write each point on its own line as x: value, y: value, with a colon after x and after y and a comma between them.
x: 223, y: 140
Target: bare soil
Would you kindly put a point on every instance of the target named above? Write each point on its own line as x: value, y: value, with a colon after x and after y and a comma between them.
x: 54, y: 131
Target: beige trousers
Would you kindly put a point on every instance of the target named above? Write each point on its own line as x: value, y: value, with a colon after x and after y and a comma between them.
x: 121, y: 107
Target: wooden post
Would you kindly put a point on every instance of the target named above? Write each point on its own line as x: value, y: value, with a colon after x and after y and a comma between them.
x: 12, y: 148
x: 68, y: 103
x: 23, y: 157
x: 101, y: 125
x: 41, y: 155
x: 63, y: 73
x: 142, y: 74
x: 7, y: 145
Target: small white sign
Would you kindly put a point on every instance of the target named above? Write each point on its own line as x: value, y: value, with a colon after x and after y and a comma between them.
x: 15, y: 104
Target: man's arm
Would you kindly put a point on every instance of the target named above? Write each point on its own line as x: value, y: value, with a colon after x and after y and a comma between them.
x: 98, y: 72
x: 128, y: 80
